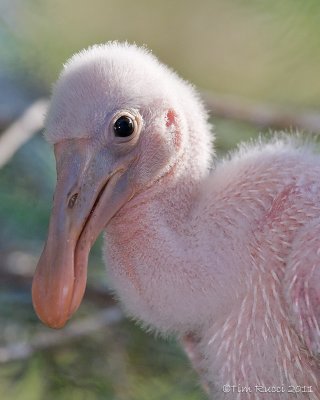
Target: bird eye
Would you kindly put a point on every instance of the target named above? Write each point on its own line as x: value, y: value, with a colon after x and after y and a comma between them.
x: 124, y: 126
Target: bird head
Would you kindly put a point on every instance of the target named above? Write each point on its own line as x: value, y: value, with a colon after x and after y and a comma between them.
x: 119, y: 120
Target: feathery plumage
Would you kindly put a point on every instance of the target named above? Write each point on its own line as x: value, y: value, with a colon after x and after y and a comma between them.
x: 224, y: 251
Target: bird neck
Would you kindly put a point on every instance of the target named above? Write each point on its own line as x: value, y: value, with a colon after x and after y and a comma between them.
x: 147, y: 251
x: 169, y: 200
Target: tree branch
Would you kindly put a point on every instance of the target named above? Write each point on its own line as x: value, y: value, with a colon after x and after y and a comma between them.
x: 22, y: 130
x: 98, y: 295
x: 42, y: 341
x: 261, y: 115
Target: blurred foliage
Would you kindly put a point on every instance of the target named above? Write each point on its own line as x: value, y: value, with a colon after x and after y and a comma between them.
x: 118, y: 370
x: 264, y: 49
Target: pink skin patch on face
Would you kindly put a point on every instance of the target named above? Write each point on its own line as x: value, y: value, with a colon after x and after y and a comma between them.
x: 171, y: 119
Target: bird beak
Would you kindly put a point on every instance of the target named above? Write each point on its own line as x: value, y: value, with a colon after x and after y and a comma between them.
x: 89, y: 192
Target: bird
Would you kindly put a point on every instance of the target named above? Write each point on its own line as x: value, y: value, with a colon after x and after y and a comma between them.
x: 224, y: 252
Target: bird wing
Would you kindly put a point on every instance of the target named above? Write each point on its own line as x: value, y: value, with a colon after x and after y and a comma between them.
x: 302, y: 286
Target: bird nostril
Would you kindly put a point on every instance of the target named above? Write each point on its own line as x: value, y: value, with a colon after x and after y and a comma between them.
x: 72, y: 200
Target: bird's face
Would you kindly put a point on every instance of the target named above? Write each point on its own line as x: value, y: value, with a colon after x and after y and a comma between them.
x: 112, y: 139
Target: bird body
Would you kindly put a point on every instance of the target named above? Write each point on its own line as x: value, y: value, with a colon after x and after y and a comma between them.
x: 228, y: 259
x: 226, y: 252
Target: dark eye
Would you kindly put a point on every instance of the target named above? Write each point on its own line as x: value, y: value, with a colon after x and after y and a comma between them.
x: 124, y: 126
